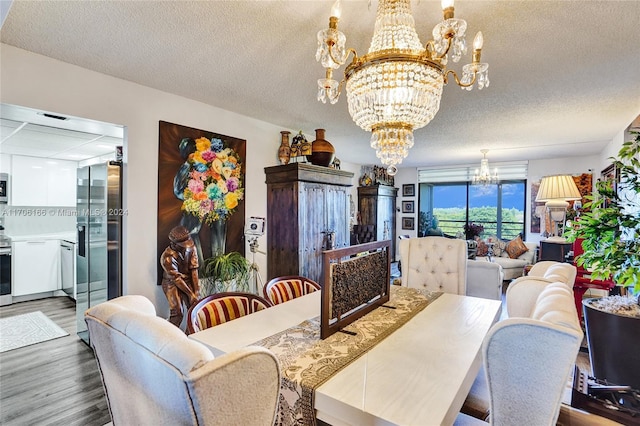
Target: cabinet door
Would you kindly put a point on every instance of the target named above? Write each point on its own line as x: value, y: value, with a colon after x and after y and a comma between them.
x: 61, y: 183
x: 312, y: 223
x: 337, y: 207
x: 29, y: 181
x: 36, y: 267
x: 43, y: 182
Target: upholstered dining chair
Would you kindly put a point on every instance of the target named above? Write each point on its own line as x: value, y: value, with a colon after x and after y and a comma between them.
x: 153, y: 374
x: 222, y: 307
x: 434, y: 263
x: 527, y: 363
x: 283, y: 289
x: 522, y: 292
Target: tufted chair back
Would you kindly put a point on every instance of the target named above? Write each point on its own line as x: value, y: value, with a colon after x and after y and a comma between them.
x: 283, y: 289
x: 434, y: 264
x: 219, y: 308
x: 153, y: 374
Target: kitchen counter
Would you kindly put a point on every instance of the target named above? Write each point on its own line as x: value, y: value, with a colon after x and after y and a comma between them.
x: 65, y: 236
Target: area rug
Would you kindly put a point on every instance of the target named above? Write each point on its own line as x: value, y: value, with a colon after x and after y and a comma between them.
x: 27, y: 329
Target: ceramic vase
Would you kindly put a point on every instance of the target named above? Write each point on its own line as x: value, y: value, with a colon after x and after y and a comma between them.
x: 284, y: 151
x: 322, y: 152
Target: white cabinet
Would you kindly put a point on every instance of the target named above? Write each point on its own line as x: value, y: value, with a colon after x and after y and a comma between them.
x: 42, y: 182
x: 36, y: 266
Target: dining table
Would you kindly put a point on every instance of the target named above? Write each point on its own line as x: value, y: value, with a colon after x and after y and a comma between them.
x: 420, y: 374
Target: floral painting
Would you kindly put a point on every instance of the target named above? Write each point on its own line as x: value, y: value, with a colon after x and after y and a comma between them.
x: 201, y: 185
x: 214, y: 186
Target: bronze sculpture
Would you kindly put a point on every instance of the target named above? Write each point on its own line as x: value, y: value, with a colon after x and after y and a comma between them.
x: 180, y: 273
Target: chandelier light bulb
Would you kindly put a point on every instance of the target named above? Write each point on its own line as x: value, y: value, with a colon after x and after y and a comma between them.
x: 336, y: 9
x: 478, y: 41
x: 446, y: 4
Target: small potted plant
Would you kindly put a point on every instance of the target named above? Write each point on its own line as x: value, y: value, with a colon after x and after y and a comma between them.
x: 224, y: 272
x: 610, y: 227
x: 473, y: 230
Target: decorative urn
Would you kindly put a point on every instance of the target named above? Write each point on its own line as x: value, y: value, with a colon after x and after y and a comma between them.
x: 322, y: 152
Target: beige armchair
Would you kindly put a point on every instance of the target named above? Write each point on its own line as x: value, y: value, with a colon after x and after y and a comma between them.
x: 153, y: 374
x: 434, y: 264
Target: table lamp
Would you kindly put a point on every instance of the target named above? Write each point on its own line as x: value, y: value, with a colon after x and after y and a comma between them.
x: 555, y: 192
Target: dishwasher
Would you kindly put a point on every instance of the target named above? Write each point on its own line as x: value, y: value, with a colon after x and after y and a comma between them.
x: 67, y: 268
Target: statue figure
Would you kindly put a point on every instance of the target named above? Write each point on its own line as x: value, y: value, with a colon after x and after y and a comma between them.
x: 180, y: 277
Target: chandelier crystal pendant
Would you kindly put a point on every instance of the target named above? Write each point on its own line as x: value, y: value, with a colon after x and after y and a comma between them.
x: 396, y: 87
x: 483, y: 175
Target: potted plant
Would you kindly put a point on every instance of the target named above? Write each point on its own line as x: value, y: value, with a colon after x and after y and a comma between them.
x: 473, y: 230
x: 610, y: 229
x: 224, y: 272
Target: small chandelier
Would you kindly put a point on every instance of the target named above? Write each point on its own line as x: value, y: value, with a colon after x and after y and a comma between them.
x: 483, y: 175
x: 396, y: 87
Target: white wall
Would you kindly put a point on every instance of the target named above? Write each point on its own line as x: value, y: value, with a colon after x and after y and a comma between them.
x: 35, y: 81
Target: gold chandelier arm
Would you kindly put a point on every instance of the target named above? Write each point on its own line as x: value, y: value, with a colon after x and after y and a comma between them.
x: 350, y: 50
x: 449, y: 37
x: 455, y: 77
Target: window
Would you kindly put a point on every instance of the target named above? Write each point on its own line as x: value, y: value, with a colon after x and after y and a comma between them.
x: 449, y: 206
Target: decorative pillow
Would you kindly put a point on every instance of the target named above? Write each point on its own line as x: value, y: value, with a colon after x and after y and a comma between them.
x: 498, y: 245
x: 483, y: 248
x: 515, y: 248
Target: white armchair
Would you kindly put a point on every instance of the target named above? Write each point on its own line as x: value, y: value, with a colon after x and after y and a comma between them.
x: 153, y: 374
x: 434, y: 264
x: 484, y: 279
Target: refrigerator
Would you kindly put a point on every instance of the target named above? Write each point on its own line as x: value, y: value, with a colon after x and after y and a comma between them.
x: 99, y: 246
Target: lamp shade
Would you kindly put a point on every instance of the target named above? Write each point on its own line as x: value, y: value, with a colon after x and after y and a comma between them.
x: 559, y: 187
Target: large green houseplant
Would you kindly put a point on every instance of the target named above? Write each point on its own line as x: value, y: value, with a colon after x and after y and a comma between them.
x: 610, y: 224
x: 224, y: 272
x: 610, y: 230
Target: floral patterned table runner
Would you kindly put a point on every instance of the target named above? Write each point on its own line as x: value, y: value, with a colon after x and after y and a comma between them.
x: 306, y: 361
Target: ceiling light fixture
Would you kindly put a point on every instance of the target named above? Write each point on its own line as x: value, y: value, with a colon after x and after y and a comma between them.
x: 396, y: 87
x: 483, y: 175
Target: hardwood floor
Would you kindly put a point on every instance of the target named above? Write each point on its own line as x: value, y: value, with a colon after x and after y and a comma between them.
x: 51, y: 383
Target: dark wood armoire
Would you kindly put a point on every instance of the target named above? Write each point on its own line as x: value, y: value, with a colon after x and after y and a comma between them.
x: 377, y: 206
x: 307, y: 210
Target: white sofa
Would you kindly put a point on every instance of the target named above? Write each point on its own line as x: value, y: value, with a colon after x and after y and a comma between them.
x: 514, y: 268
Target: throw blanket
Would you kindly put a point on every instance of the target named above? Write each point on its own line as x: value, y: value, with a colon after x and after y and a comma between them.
x: 307, y: 361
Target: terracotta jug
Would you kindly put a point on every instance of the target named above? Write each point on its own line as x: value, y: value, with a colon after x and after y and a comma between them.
x: 284, y: 151
x: 322, y: 152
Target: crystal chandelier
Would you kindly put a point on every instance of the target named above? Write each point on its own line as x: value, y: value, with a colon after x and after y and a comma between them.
x: 396, y: 87
x: 483, y: 175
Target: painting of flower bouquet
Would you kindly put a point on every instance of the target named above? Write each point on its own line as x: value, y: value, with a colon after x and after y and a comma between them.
x: 201, y: 178
x: 214, y: 186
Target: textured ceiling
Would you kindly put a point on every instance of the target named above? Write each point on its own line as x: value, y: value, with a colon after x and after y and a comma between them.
x: 565, y: 75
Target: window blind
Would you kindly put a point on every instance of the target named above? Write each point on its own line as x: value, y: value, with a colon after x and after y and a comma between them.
x: 465, y: 173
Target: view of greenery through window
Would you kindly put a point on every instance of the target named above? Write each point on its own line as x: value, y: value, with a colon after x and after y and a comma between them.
x: 500, y: 208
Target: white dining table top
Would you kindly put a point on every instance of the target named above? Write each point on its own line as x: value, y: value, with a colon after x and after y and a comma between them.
x: 419, y: 375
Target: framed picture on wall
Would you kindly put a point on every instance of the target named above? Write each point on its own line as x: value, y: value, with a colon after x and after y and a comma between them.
x: 408, y: 190
x: 408, y: 223
x: 408, y: 207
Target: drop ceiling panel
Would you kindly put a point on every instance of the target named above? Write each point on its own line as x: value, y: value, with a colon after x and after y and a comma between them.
x: 39, y: 140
